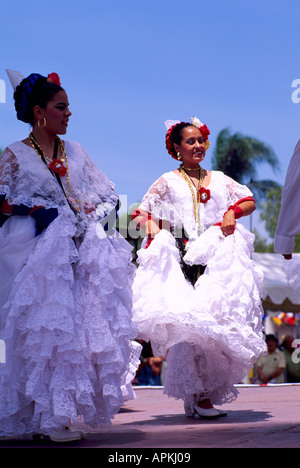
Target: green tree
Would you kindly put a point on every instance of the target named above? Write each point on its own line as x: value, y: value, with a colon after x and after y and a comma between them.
x: 269, y: 212
x: 239, y: 156
x: 261, y: 244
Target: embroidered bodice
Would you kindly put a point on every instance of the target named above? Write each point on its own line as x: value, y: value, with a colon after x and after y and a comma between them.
x: 170, y: 198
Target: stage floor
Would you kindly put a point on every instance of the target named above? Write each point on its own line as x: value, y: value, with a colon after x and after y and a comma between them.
x: 262, y: 417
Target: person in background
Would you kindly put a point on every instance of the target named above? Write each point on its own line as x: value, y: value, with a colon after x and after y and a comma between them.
x: 150, y: 373
x: 152, y: 368
x: 271, y: 367
x: 292, y: 365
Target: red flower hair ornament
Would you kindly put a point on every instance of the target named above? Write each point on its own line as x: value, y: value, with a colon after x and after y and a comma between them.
x: 170, y: 124
x: 54, y: 78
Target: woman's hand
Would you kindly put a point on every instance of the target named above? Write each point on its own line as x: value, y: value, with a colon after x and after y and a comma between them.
x: 152, y: 228
x: 245, y: 208
x: 264, y: 379
x: 142, y: 220
x: 228, y: 224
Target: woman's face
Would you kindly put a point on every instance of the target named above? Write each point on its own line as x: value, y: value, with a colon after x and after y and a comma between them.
x: 56, y: 113
x: 192, y: 147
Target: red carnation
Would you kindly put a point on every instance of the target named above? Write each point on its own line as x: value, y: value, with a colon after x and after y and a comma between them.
x: 205, y: 132
x: 57, y: 166
x: 54, y: 78
x: 204, y: 195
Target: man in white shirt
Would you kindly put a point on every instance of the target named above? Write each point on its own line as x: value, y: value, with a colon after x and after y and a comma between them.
x: 271, y: 367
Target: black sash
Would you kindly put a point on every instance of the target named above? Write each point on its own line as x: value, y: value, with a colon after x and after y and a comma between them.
x: 191, y: 272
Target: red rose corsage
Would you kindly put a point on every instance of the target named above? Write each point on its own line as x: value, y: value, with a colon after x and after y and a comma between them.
x: 204, y: 132
x: 204, y: 195
x: 54, y: 78
x: 57, y: 166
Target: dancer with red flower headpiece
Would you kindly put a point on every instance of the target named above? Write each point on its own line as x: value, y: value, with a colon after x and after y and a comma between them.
x: 197, y: 293
x: 65, y: 278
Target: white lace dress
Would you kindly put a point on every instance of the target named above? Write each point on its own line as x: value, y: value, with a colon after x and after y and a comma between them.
x: 65, y: 299
x: 213, y: 330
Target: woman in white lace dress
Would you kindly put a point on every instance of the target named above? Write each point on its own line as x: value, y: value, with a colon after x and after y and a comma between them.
x: 196, y: 290
x: 65, y: 278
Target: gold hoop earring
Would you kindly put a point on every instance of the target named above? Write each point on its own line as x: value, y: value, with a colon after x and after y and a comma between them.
x: 178, y: 156
x: 43, y: 124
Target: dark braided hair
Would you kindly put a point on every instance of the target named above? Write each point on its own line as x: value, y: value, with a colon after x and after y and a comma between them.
x: 174, y: 135
x: 35, y: 90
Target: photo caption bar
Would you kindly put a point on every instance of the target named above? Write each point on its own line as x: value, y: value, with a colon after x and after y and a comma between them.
x: 145, y: 457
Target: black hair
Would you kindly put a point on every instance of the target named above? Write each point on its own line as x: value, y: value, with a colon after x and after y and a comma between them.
x: 271, y: 337
x: 175, y: 136
x: 35, y: 90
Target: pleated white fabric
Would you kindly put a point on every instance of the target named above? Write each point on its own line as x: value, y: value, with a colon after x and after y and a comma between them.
x: 213, y: 330
x: 65, y: 306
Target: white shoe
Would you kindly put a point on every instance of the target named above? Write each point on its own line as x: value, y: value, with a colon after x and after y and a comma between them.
x: 207, y: 413
x: 191, y: 411
x: 222, y: 412
x: 65, y: 436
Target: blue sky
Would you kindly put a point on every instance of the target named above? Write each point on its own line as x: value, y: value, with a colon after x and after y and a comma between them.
x: 128, y: 65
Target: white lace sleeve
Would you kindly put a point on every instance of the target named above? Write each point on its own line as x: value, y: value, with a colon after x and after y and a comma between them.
x: 9, y: 170
x: 24, y: 179
x: 236, y: 191
x: 89, y: 186
x: 157, y: 200
x: 89, y: 179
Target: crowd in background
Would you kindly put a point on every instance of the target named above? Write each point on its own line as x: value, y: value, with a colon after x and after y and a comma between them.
x: 280, y: 365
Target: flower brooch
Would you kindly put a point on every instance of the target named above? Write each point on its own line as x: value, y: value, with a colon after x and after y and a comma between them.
x: 57, y: 166
x: 203, y: 194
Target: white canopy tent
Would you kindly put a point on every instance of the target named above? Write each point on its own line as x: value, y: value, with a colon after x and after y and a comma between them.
x: 277, y: 294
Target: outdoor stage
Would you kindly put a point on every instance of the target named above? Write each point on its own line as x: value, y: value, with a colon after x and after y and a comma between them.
x: 262, y: 417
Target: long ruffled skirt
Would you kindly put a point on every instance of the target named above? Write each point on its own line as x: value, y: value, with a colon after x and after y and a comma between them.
x: 65, y: 319
x: 213, y: 331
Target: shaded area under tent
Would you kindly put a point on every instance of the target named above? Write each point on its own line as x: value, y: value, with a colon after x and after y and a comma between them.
x: 280, y: 303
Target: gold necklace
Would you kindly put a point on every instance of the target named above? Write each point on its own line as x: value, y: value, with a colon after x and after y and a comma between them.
x: 196, y: 199
x: 64, y: 157
x: 190, y: 168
